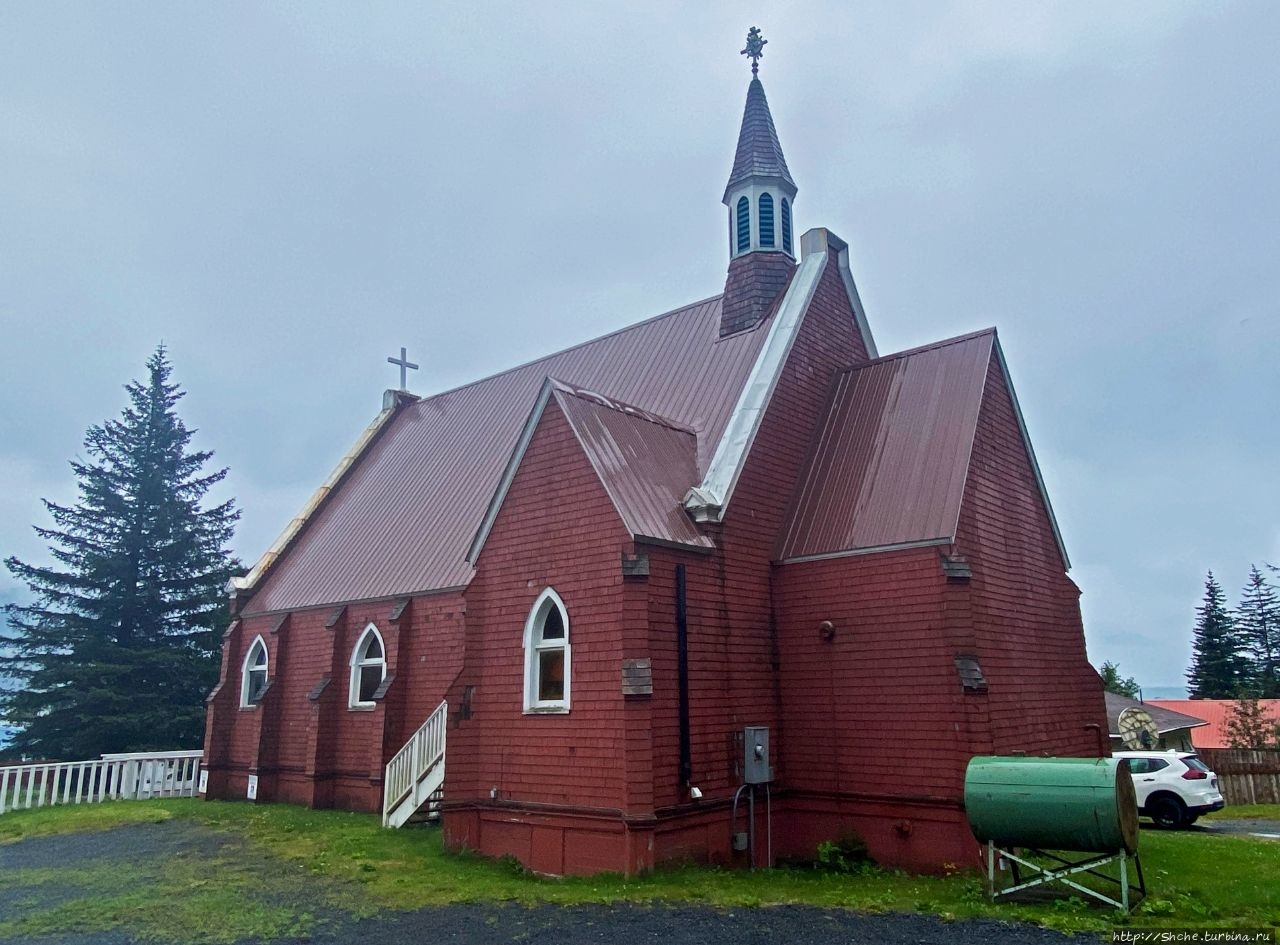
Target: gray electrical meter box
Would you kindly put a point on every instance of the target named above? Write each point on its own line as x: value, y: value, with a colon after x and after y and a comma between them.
x: 755, y: 755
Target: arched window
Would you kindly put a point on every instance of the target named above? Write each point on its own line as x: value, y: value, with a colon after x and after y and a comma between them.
x: 786, y: 224
x: 744, y: 225
x: 766, y: 220
x: 368, y: 667
x: 253, y: 676
x: 546, y: 655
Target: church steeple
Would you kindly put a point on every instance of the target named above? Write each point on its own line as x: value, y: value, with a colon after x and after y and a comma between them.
x: 760, y: 196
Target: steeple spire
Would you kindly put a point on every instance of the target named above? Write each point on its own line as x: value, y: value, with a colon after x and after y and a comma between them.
x: 759, y: 195
x: 759, y: 152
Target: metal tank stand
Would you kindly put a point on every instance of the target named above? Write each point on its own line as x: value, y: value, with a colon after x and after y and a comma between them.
x: 1041, y: 875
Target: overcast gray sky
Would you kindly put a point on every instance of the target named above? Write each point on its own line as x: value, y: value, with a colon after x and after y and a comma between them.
x: 286, y: 193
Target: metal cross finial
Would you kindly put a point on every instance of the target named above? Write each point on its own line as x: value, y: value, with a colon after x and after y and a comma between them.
x: 405, y: 366
x: 755, y: 47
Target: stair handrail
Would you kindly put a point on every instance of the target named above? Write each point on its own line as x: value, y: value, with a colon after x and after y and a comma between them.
x: 415, y: 760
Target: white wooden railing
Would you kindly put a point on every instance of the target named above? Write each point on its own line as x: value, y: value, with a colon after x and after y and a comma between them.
x: 417, y: 770
x: 133, y: 776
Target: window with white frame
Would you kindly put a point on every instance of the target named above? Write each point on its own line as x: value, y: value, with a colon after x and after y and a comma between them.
x: 546, y: 655
x: 253, y: 675
x: 368, y: 668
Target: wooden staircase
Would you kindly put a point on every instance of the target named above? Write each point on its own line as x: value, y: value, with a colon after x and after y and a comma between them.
x: 414, y: 781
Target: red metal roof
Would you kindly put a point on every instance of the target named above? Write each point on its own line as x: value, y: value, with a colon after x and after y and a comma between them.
x: 1216, y: 712
x: 402, y: 520
x: 645, y: 462
x: 890, y: 461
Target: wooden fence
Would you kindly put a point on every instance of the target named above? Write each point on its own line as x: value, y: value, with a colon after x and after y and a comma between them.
x: 134, y: 776
x: 1245, y: 776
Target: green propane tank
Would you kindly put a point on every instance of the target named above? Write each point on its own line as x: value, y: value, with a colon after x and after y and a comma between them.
x: 1085, y: 804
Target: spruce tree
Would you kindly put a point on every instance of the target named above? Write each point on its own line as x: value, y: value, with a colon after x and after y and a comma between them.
x: 120, y: 645
x: 1258, y: 623
x: 1217, y: 668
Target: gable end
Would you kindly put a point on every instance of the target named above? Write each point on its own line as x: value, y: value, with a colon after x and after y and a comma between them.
x: 1031, y: 455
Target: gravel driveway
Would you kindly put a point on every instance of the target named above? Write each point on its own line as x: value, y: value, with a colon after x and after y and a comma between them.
x: 475, y: 924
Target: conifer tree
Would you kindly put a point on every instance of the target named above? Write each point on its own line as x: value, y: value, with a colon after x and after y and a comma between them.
x: 1258, y: 623
x: 1217, y: 668
x: 1112, y: 681
x: 120, y: 645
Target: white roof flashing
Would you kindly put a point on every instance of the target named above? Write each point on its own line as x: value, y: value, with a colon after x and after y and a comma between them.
x: 707, y: 500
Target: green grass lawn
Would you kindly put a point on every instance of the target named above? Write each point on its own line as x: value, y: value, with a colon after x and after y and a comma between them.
x: 346, y: 863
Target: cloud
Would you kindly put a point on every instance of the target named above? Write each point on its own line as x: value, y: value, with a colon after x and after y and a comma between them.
x: 285, y: 196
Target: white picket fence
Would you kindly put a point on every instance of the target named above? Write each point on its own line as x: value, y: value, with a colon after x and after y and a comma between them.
x: 132, y: 776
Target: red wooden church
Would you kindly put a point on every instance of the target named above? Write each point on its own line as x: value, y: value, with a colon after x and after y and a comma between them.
x: 596, y: 608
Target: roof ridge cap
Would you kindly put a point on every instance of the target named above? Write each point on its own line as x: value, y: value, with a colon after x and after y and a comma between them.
x: 921, y: 349
x: 601, y: 399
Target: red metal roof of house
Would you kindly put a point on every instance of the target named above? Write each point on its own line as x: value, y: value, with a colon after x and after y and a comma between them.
x: 889, y: 465
x: 1216, y: 712
x: 403, y: 518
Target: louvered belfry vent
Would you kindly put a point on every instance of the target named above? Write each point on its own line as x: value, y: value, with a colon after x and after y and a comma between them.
x: 766, y: 221
x: 786, y: 225
x: 744, y: 225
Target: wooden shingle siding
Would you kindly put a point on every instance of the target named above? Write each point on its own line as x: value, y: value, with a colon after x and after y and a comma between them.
x: 1043, y: 693
x: 557, y: 528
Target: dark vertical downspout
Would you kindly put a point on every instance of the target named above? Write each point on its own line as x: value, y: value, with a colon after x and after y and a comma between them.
x: 682, y: 655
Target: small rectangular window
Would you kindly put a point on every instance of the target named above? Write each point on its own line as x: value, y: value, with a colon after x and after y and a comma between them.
x: 550, y: 675
x: 370, y: 680
x: 257, y: 685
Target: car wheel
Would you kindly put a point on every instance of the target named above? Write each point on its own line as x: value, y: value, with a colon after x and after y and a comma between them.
x: 1190, y: 819
x: 1169, y: 813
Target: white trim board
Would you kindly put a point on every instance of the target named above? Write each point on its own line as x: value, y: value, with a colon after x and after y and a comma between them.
x: 707, y: 500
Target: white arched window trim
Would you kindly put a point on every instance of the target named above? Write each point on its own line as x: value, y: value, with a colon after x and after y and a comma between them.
x: 363, y: 666
x: 543, y: 656
x: 253, y: 673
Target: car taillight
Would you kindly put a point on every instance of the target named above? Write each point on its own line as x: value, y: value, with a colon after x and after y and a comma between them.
x: 1191, y: 774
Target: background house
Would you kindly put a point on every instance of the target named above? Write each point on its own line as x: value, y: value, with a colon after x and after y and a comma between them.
x: 1174, y: 727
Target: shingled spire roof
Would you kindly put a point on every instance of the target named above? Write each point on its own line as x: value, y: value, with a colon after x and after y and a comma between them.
x: 759, y: 153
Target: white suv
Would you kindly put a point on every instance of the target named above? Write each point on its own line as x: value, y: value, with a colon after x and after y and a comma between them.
x: 1174, y: 787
